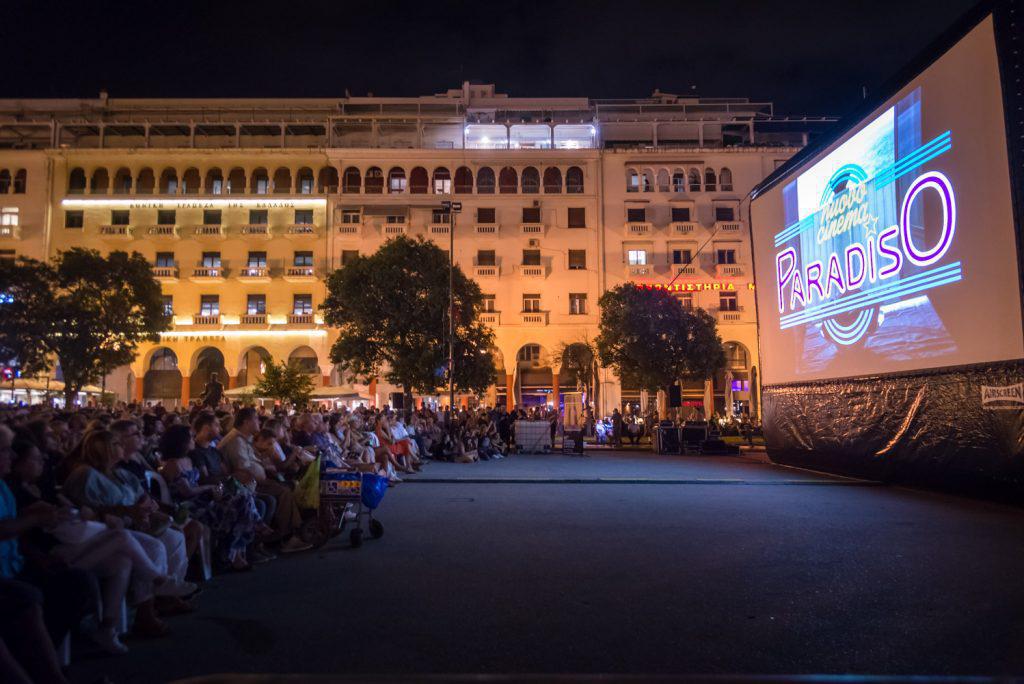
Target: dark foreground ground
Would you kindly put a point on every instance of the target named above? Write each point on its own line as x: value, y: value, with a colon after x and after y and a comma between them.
x: 624, y: 563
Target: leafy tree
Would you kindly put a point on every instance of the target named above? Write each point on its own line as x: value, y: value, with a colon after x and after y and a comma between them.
x: 580, y: 359
x: 391, y: 310
x: 651, y: 340
x: 88, y: 311
x: 286, y: 383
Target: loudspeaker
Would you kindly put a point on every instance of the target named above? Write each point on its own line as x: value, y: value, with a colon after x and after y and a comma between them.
x: 675, y: 396
x: 397, y: 401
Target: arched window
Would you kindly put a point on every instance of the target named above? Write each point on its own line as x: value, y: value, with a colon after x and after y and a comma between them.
x: 190, y: 181
x: 725, y: 180
x: 736, y: 355
x: 76, y: 181
x: 123, y: 181
x: 236, y: 181
x: 327, y: 180
x: 305, y: 359
x: 709, y: 180
x: 442, y: 181
x: 5, y: 181
x: 531, y: 180
x: 145, y: 183
x: 694, y: 180
x: 463, y: 181
x: 163, y: 359
x: 20, y: 181
x: 552, y: 180
x: 351, y: 180
x: 169, y: 182
x: 283, y: 181
x: 508, y: 181
x: 100, y: 182
x: 663, y: 184
x: 304, y: 181
x: 678, y: 181
x: 632, y: 181
x: 214, y: 184
x: 259, y: 182
x: 485, y: 181
x: 418, y: 181
x: 396, y: 180
x: 648, y: 181
x: 374, y: 181
x: 574, y: 180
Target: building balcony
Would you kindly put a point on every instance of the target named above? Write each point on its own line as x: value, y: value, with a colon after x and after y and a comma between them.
x: 486, y: 229
x: 301, y: 319
x: 538, y: 271
x: 353, y: 229
x: 300, y: 274
x: 211, y: 320
x: 684, y: 271
x: 729, y: 270
x: 532, y: 229
x: 394, y: 229
x: 207, y: 274
x: 438, y: 228
x: 253, y: 319
x: 639, y: 270
x: 10, y: 232
x: 490, y: 317
x: 683, y: 227
x: 163, y: 232
x: 639, y: 228
x: 534, y: 317
x: 301, y: 229
x: 728, y: 226
x: 117, y: 232
x: 729, y: 315
x: 166, y: 274
x: 256, y: 230
x: 254, y: 274
x: 210, y: 232
x: 492, y: 271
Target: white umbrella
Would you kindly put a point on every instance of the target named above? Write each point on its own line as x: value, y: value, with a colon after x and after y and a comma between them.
x: 709, y: 400
x: 728, y: 393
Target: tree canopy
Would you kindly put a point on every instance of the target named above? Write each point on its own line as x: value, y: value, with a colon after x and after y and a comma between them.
x: 88, y: 311
x: 391, y: 311
x: 286, y: 383
x: 650, y: 339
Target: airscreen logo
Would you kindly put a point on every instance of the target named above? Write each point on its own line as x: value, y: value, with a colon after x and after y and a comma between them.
x: 1008, y: 397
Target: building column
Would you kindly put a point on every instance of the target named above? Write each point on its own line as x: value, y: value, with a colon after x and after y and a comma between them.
x: 510, y: 392
x: 139, y: 388
x: 232, y: 381
x: 327, y: 380
x: 555, y: 389
x: 184, y: 389
x: 373, y: 392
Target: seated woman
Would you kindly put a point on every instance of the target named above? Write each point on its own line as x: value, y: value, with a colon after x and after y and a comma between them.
x: 229, y: 512
x: 395, y: 450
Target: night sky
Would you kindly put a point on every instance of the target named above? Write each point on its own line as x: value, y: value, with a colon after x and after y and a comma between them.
x: 807, y: 57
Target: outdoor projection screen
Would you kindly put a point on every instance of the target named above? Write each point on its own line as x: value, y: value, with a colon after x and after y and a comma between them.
x: 894, y: 249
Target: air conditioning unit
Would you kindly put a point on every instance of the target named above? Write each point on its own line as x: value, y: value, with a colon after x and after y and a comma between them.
x: 533, y: 242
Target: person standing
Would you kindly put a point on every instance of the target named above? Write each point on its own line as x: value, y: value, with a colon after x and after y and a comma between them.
x: 213, y: 393
x: 616, y: 428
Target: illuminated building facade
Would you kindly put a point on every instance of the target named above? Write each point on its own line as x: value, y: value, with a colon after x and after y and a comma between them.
x: 243, y: 207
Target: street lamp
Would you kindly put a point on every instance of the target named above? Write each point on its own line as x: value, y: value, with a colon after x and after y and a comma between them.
x: 452, y: 208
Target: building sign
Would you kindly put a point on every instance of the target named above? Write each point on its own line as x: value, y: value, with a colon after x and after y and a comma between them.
x: 195, y: 203
x: 1008, y: 397
x: 694, y: 287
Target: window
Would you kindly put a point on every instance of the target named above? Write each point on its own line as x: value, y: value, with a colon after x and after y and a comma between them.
x: 636, y: 257
x: 487, y: 303
x: 682, y: 256
x: 258, y: 217
x: 531, y: 303
x: 530, y: 353
x: 9, y: 216
x: 20, y: 178
x: 165, y: 259
x: 211, y: 259
x: 398, y: 218
x: 709, y: 180
x: 727, y: 301
x: 302, y: 304
x: 168, y: 305
x: 636, y: 215
x: 725, y: 214
x: 531, y: 257
x: 442, y: 182
x: 304, y: 217
x: 574, y: 180
x: 681, y: 214
x: 531, y: 214
x: 486, y: 215
x: 725, y: 256
x: 209, y: 305
x: 686, y: 299
x: 166, y: 217
x: 577, y: 259
x: 211, y: 217
x: 262, y: 185
x: 678, y: 182
x: 303, y: 259
x: 74, y: 219
x: 485, y: 257
x: 577, y: 217
x: 577, y: 303
x: 305, y: 186
x: 217, y: 186
x: 351, y: 216
x: 257, y: 260
x: 256, y: 305
x: 348, y: 256
x: 439, y: 216
x: 725, y: 180
x: 736, y: 355
x: 120, y: 217
x: 396, y: 180
x: 633, y: 182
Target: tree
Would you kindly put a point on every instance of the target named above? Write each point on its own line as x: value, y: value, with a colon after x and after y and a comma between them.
x: 88, y: 311
x: 651, y: 340
x: 580, y: 359
x: 391, y: 310
x: 286, y: 383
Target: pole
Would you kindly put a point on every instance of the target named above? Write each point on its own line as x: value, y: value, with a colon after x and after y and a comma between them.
x: 451, y: 308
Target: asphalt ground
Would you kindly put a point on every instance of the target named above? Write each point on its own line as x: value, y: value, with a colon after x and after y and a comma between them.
x: 623, y: 563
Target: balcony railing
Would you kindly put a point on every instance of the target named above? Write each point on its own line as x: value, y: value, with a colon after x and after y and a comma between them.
x: 633, y: 270
x: 257, y: 230
x: 684, y: 227
x: 681, y: 270
x: 10, y: 232
x: 210, y: 231
x: 164, y: 231
x: 254, y: 274
x: 729, y: 270
x: 534, y: 317
x: 438, y: 228
x: 299, y: 274
x: 302, y: 229
x: 116, y: 232
x: 531, y: 228
x: 728, y: 226
x: 486, y: 228
x: 730, y: 315
x: 392, y: 229
x: 350, y: 228
x: 639, y: 228
x: 208, y: 273
x: 492, y: 271
x: 254, y: 319
x: 490, y: 317
x: 300, y: 319
x: 213, y: 319
x: 532, y: 271
x: 165, y: 273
